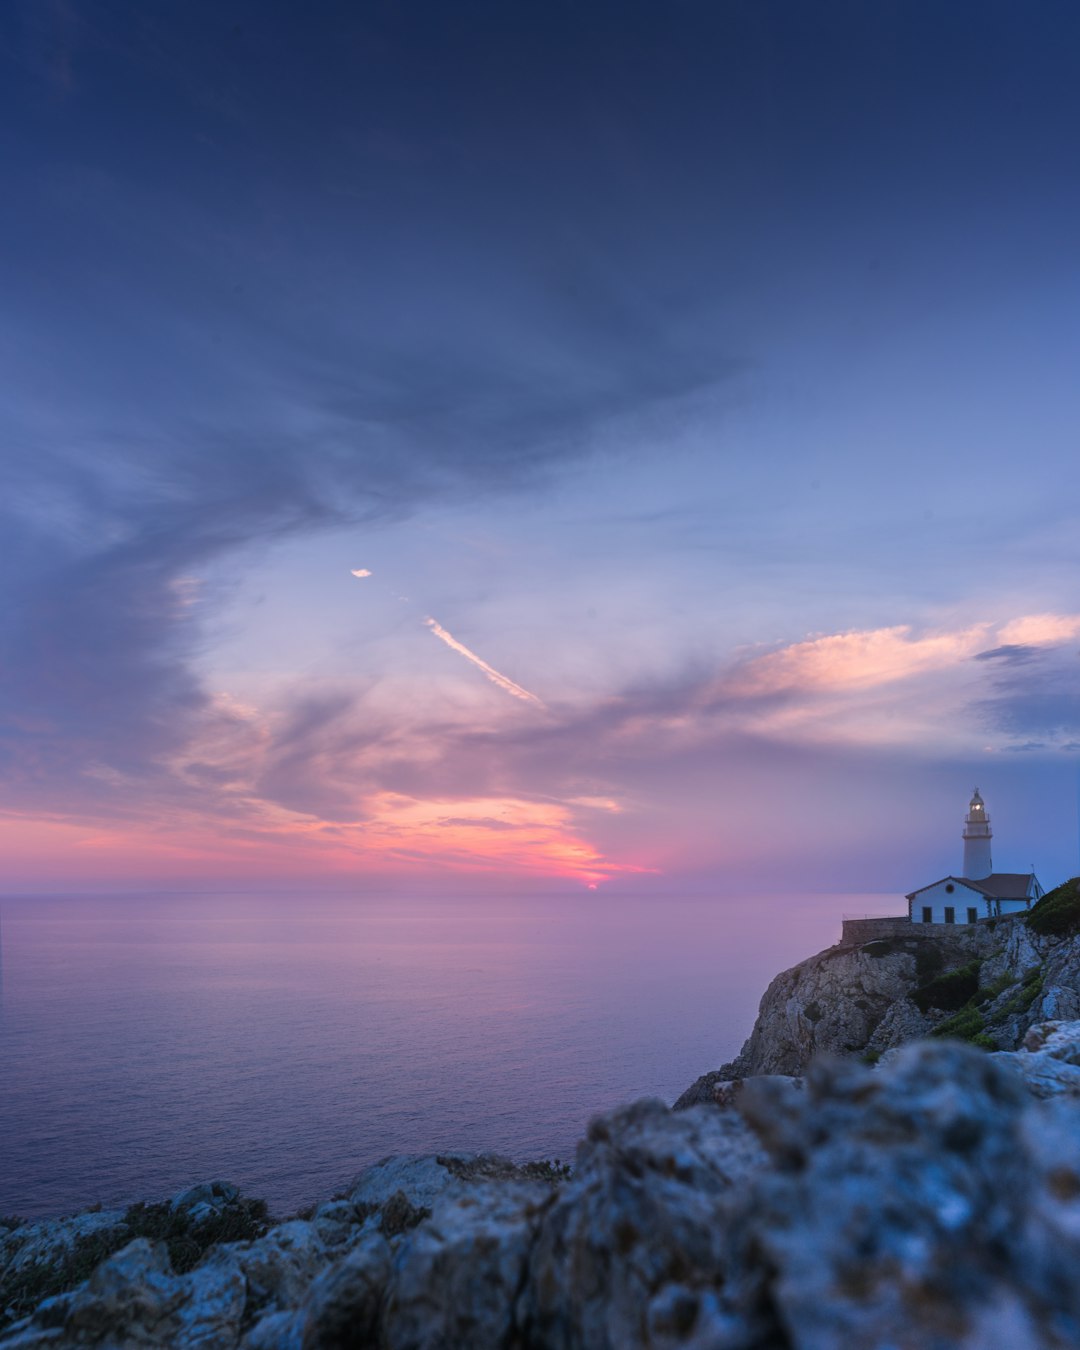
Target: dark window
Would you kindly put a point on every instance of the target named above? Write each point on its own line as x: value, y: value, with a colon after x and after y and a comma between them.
x: 972, y: 916
x: 950, y: 914
x: 949, y: 888
x: 926, y: 914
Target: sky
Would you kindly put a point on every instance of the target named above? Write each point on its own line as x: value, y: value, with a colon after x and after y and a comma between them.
x: 537, y: 446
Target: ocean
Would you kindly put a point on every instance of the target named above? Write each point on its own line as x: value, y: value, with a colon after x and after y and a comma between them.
x: 284, y: 1042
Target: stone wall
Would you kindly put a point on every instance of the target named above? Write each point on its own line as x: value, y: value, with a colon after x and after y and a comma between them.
x: 855, y: 931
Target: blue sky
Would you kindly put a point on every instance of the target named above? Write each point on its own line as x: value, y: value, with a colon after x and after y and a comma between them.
x: 706, y: 370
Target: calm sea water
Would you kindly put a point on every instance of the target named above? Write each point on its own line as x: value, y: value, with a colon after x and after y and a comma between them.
x: 285, y: 1042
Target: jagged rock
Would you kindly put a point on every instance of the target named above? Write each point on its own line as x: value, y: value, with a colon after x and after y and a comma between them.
x: 422, y: 1178
x: 902, y: 1022
x: 456, y: 1277
x: 340, y: 1309
x: 899, y: 1209
x: 714, y: 1089
x: 206, y: 1199
x: 635, y: 1239
x: 134, y: 1299
x: 1018, y: 950
x: 47, y: 1242
x: 343, y: 1304
x: 831, y: 1003
x: 1060, y: 996
x: 279, y: 1267
x: 1049, y: 1062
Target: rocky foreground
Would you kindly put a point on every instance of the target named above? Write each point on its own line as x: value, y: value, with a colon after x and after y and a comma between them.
x: 931, y: 1201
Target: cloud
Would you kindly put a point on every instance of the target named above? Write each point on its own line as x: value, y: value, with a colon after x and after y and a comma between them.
x: 856, y: 660
x: 1013, y: 654
x: 496, y: 677
x: 360, y: 572
x: 1041, y: 629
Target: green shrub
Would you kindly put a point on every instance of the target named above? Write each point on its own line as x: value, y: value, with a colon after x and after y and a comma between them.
x: 949, y: 991
x: 551, y: 1170
x: 929, y: 960
x: 1058, y: 911
x: 1025, y: 996
x: 967, y: 1025
x: 240, y: 1221
x: 995, y: 990
x: 812, y: 1012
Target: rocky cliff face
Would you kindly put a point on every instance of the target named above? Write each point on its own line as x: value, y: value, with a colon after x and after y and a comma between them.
x: 932, y: 1202
x: 986, y: 985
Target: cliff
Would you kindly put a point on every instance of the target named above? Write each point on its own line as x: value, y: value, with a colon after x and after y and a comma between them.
x: 987, y: 984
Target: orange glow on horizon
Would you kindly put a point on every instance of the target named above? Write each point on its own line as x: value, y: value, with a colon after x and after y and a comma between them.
x: 399, y: 836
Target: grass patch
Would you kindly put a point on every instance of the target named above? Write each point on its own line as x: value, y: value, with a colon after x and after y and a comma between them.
x: 995, y: 990
x: 1030, y: 989
x: 969, y: 1022
x: 187, y: 1241
x: 1058, y: 911
x: 949, y: 991
x: 967, y: 1025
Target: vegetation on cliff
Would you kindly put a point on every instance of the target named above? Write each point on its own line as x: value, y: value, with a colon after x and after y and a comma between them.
x: 1058, y: 912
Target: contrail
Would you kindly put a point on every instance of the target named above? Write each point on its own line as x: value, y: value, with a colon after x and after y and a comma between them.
x: 493, y: 675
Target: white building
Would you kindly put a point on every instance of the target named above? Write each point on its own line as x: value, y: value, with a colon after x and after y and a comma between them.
x: 981, y: 893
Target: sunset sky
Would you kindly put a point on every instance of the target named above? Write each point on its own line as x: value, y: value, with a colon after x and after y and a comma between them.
x: 537, y: 445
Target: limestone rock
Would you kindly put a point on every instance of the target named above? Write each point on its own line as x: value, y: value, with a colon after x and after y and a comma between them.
x: 207, y: 1199
x: 456, y: 1277
x: 342, y: 1307
x: 901, y: 1023
x: 715, y: 1089
x: 903, y: 1204
x: 635, y: 1240
x: 47, y: 1242
x: 133, y: 1299
x: 1049, y: 1061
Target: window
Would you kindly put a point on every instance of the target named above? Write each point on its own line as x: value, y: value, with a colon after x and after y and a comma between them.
x: 926, y: 914
x: 972, y: 916
x: 949, y: 888
x: 950, y: 914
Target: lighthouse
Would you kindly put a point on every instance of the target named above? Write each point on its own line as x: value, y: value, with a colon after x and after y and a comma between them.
x: 977, y: 835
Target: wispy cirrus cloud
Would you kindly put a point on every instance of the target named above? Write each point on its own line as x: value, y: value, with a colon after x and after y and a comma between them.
x: 496, y: 677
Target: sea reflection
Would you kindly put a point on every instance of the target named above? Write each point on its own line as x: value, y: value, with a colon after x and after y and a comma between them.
x: 284, y: 1042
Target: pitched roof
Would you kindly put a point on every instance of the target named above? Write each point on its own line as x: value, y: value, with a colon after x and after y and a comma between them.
x: 1004, y: 885
x: 997, y: 886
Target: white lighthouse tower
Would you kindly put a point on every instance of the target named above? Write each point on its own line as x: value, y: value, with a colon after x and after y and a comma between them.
x: 977, y: 835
